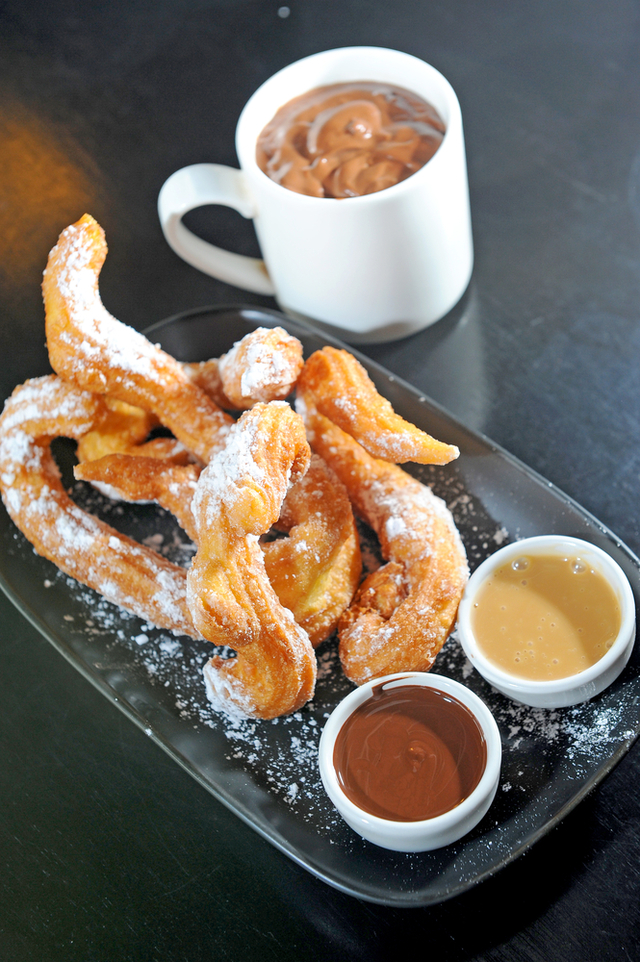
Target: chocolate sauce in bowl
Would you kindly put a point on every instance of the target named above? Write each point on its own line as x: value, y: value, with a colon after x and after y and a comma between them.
x: 349, y: 139
x: 409, y: 753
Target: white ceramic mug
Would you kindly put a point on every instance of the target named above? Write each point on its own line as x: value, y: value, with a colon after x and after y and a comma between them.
x: 375, y: 267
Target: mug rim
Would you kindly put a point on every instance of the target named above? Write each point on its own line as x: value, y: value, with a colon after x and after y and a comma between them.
x: 246, y: 153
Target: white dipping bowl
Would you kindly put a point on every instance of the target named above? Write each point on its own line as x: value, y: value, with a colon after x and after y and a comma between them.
x: 560, y: 692
x: 430, y: 833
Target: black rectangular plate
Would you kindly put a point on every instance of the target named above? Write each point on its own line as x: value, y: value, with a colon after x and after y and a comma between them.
x: 266, y: 772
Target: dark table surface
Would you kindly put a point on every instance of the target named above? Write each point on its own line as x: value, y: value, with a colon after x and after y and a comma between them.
x: 109, y: 851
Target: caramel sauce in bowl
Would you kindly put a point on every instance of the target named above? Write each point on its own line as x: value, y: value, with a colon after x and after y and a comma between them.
x: 548, y: 621
x: 411, y: 761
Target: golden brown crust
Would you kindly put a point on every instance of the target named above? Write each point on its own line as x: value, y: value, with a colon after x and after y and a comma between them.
x: 316, y: 569
x: 238, y: 593
x: 124, y: 430
x: 142, y: 479
x: 238, y: 498
x: 403, y: 613
x: 206, y: 374
x: 126, y: 573
x: 123, y: 427
x: 90, y: 348
x: 343, y: 392
x: 263, y: 366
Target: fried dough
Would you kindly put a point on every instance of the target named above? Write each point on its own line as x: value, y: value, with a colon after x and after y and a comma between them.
x: 238, y: 498
x: 314, y: 571
x: 404, y: 612
x: 344, y: 393
x: 262, y: 366
x: 90, y: 348
x: 142, y: 479
x: 123, y: 571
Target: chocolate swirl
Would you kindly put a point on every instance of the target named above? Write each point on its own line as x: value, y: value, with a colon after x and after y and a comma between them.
x: 409, y: 753
x: 349, y: 139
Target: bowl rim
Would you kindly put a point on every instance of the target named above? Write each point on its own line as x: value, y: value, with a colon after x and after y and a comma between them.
x: 428, y: 826
x: 606, y: 565
x: 386, y: 59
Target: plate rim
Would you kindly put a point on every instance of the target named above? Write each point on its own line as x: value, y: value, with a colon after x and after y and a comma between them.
x: 393, y: 899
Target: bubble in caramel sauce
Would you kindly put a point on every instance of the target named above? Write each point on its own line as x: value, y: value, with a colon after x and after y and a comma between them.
x: 409, y: 753
x: 349, y: 139
x: 559, y: 620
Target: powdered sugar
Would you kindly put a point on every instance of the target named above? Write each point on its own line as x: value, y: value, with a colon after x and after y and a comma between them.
x: 162, y: 675
x: 96, y: 330
x: 223, y: 476
x: 584, y: 735
x: 267, y: 362
x: 268, y: 769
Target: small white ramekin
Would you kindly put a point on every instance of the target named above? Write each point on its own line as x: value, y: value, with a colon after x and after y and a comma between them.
x: 430, y: 833
x: 560, y: 692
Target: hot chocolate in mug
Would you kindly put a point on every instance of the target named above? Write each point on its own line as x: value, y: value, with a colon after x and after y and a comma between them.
x: 373, y: 267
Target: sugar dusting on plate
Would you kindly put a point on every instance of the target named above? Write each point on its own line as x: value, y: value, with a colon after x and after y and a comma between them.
x: 160, y: 676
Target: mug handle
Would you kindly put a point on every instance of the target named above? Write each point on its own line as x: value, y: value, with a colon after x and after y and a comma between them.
x: 202, y: 184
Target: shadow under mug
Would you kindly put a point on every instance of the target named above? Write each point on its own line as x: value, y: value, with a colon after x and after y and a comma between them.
x: 373, y: 268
